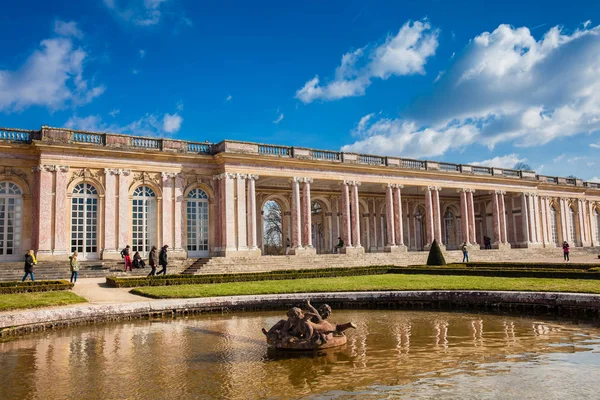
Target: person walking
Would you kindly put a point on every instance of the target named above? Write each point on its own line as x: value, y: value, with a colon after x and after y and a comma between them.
x: 566, y: 250
x: 74, y: 265
x: 29, y: 262
x: 163, y: 260
x: 465, y: 252
x: 126, y: 254
x: 152, y: 261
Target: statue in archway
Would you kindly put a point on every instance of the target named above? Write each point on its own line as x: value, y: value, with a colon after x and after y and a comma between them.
x: 307, y: 330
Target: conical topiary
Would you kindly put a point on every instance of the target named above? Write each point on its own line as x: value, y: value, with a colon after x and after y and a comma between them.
x: 435, y: 255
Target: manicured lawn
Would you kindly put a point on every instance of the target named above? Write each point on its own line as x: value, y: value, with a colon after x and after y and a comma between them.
x: 38, y: 299
x: 372, y: 282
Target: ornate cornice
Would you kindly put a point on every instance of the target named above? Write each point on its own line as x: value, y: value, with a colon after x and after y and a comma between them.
x: 117, y: 171
x: 51, y: 168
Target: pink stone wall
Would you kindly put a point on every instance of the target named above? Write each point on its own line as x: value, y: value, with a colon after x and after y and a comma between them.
x: 60, y: 212
x: 179, y: 211
x: 167, y: 210
x: 110, y: 211
x: 124, y: 213
x: 45, y: 211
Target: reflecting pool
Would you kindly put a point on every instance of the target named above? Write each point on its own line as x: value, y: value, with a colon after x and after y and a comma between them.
x: 392, y: 354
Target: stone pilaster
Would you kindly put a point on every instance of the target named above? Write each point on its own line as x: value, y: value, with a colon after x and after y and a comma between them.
x: 464, y: 217
x: 471, y: 210
x: 60, y: 211
x: 429, y: 224
x: 179, y: 213
x: 389, y: 217
x: 167, y: 208
x: 373, y: 225
x: 525, y: 219
x: 564, y: 219
x: 398, y: 217
x: 355, y: 210
x: 503, y: 225
x: 437, y: 215
x: 227, y: 213
x: 124, y: 180
x: 306, y: 213
x: 296, y: 215
x: 252, y: 236
x: 544, y: 218
x: 43, y: 210
x: 242, y: 229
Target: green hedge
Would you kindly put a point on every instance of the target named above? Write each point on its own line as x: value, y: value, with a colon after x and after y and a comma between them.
x: 167, y: 280
x: 508, y: 270
x: 506, y: 273
x: 36, y: 286
x: 526, y: 265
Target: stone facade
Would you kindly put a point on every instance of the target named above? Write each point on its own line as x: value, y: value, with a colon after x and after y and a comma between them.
x: 97, y: 192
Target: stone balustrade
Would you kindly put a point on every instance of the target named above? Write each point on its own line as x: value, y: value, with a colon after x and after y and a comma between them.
x: 68, y: 136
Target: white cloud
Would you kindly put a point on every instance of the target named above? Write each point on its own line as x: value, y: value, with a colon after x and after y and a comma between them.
x: 52, y: 76
x: 278, y: 119
x: 594, y: 179
x: 142, y: 53
x: 144, y: 12
x: 67, y: 29
x: 559, y: 158
x: 403, y: 54
x: 595, y: 145
x: 507, y: 161
x: 505, y: 87
x: 228, y: 98
x: 114, y: 112
x: 172, y: 123
x: 148, y: 125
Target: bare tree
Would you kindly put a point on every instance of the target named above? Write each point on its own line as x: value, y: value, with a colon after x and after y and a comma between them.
x: 521, y: 166
x: 273, y: 227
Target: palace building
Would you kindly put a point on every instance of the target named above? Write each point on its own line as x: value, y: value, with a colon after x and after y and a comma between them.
x: 65, y: 190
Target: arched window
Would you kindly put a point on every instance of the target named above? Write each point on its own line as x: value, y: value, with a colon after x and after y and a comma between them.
x: 84, y: 221
x: 197, y: 223
x: 572, y: 226
x: 449, y: 231
x: 143, y: 219
x: 553, y: 225
x: 11, y: 213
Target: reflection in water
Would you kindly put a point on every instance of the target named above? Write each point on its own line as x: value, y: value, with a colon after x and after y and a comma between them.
x: 391, y: 354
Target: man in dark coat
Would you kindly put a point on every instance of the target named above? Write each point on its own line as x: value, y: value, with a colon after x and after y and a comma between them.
x: 152, y: 261
x: 163, y: 260
x: 29, y: 261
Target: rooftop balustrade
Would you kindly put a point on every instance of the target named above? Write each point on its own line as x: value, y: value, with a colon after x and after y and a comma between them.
x: 66, y: 136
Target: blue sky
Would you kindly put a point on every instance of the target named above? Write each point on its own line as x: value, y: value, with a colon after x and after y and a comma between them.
x: 457, y: 81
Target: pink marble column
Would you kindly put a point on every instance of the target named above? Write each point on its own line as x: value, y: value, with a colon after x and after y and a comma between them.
x: 592, y: 224
x: 429, y: 224
x: 531, y: 212
x: 472, y: 232
x: 242, y: 229
x: 372, y: 225
x: 296, y: 214
x: 437, y: 215
x: 252, y: 241
x: 389, y: 215
x: 398, y: 222
x: 536, y: 210
x: 335, y: 220
x: 525, y: 217
x: 42, y: 218
x: 60, y: 211
x: 306, y: 213
x: 496, y: 217
x: 110, y: 210
x: 226, y: 211
x: 179, y: 212
x: 124, y: 217
x: 580, y: 214
x: 407, y: 208
x: 544, y: 217
x: 346, y: 218
x: 167, y: 208
x: 563, y: 220
x: 503, y: 227
x: 355, y: 216
x: 464, y: 217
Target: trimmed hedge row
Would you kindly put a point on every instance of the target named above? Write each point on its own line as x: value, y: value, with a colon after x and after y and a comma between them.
x: 452, y: 269
x: 527, y: 265
x: 168, y: 280
x: 501, y: 273
x: 36, y: 286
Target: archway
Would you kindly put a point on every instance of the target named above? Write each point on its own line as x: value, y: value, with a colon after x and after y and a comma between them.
x: 273, y: 237
x: 318, y: 227
x: 451, y: 238
x: 420, y: 229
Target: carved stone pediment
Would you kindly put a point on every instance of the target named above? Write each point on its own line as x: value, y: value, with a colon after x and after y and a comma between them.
x: 147, y: 177
x: 86, y: 173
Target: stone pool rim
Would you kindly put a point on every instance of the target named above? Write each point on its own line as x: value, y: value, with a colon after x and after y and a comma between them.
x: 572, y: 305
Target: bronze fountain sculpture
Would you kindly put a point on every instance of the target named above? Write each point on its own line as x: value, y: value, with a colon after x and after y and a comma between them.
x: 307, y: 330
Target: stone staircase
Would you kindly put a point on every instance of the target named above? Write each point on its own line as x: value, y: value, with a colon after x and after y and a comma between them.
x: 12, y: 271
x: 196, y: 267
x: 220, y: 265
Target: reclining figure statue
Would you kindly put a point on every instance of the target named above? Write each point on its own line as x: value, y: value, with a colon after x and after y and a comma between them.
x: 306, y: 330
